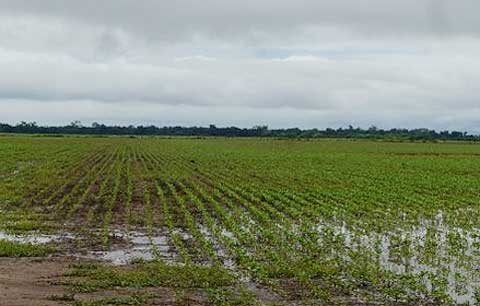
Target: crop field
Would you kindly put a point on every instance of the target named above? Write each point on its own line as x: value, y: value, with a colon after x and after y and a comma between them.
x: 216, y: 221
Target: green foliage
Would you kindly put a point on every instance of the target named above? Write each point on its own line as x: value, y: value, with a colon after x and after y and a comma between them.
x: 66, y: 297
x: 16, y: 249
x: 135, y: 300
x: 147, y: 274
x: 386, y: 222
x: 226, y: 297
x: 257, y: 131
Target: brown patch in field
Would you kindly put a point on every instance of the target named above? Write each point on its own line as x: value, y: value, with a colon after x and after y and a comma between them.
x: 138, y: 205
x: 33, y: 282
x: 29, y: 282
x: 81, y: 213
x: 156, y: 208
x: 95, y: 189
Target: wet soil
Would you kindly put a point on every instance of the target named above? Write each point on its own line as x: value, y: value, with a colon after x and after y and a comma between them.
x: 31, y: 281
x: 34, y: 281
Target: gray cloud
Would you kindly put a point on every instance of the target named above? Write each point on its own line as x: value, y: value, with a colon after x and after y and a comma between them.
x: 217, y: 18
x: 285, y: 63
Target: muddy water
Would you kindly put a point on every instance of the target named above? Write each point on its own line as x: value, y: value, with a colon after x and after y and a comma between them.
x: 33, y: 238
x: 134, y: 245
x: 139, y: 246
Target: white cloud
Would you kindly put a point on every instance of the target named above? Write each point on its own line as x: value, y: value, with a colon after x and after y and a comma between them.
x: 303, y: 58
x: 284, y: 63
x: 194, y: 58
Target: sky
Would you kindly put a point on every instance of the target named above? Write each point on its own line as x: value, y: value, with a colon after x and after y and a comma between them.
x: 296, y: 63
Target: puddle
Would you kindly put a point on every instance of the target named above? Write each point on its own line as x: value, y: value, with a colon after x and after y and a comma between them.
x: 183, y: 234
x: 429, y: 249
x: 228, y: 234
x: 33, y: 238
x: 221, y: 252
x: 139, y: 246
x: 123, y: 256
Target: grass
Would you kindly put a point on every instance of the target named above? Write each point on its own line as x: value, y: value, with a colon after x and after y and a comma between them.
x: 19, y: 222
x: 66, y: 297
x: 136, y: 300
x: 219, y: 283
x: 147, y: 274
x: 16, y: 249
x: 226, y: 297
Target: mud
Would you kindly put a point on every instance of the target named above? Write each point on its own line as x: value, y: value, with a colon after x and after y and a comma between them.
x: 34, y: 281
x: 28, y: 282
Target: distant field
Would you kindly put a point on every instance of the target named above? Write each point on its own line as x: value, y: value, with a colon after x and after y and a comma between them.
x: 157, y: 221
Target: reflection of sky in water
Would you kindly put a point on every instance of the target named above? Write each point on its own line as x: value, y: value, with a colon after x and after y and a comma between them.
x: 431, y: 248
x: 140, y: 246
x: 33, y: 238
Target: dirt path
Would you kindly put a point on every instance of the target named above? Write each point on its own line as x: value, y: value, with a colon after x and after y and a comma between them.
x: 29, y: 282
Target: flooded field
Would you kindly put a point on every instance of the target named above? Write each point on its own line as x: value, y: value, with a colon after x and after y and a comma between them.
x: 440, y: 257
x: 244, y: 222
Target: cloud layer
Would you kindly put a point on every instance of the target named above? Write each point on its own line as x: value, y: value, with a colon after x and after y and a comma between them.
x: 299, y: 63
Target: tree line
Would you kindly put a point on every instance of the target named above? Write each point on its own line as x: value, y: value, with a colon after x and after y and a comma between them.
x: 257, y: 131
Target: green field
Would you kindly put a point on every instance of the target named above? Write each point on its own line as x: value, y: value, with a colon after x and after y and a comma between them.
x: 246, y: 221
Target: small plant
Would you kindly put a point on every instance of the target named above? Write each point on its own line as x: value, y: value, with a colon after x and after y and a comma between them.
x: 16, y: 249
x: 66, y: 297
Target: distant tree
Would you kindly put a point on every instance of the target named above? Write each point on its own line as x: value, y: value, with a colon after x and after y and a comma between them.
x: 257, y: 131
x: 76, y: 124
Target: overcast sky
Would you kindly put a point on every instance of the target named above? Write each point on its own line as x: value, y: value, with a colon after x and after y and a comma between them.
x: 305, y: 63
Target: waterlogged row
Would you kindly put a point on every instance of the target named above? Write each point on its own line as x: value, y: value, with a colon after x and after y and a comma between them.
x: 310, y: 221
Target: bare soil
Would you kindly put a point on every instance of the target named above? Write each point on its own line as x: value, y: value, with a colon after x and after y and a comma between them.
x: 29, y: 282
x: 33, y: 281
